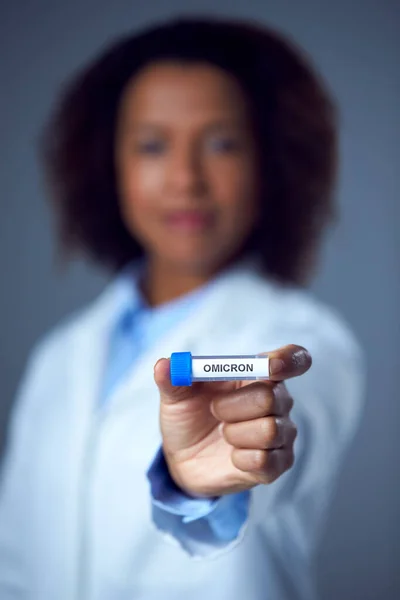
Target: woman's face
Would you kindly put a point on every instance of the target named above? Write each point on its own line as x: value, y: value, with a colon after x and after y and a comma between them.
x: 186, y: 165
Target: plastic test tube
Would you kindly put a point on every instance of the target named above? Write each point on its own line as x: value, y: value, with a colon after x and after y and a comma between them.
x: 185, y: 368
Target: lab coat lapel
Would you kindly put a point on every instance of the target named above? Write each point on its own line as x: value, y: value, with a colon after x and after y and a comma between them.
x: 89, y: 354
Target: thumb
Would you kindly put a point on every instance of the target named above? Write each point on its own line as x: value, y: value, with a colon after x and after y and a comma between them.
x: 169, y: 393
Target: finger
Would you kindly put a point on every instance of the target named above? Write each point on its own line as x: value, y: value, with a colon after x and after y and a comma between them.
x: 169, y: 393
x: 267, y: 433
x: 263, y: 466
x: 259, y: 399
x: 289, y: 361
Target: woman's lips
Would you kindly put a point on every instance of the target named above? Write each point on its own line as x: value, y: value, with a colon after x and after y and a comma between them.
x: 189, y: 221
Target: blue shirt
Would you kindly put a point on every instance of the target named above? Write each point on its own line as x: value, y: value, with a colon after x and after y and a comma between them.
x: 136, y: 329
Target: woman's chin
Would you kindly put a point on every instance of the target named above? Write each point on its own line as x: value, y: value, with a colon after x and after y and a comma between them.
x: 201, y: 262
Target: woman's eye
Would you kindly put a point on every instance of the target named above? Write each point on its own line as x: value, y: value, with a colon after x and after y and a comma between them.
x: 223, y: 144
x: 151, y: 147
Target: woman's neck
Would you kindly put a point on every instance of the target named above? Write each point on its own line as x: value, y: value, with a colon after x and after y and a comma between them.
x: 162, y: 283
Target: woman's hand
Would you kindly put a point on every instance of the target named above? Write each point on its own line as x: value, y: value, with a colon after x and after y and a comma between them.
x: 225, y: 437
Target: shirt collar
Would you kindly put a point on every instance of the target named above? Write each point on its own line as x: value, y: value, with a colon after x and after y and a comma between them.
x: 131, y: 302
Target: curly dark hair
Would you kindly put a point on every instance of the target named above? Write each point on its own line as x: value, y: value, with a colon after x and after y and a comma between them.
x: 293, y: 116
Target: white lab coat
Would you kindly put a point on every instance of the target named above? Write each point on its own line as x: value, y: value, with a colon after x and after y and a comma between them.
x: 75, y: 510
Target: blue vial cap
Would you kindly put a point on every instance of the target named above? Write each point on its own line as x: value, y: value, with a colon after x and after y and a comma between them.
x: 181, y: 368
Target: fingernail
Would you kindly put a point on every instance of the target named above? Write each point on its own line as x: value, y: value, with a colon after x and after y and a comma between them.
x: 276, y: 365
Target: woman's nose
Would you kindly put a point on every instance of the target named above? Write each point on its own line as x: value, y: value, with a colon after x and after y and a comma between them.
x: 186, y: 171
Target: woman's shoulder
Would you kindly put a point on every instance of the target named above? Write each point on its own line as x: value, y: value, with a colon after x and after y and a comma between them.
x: 88, y: 321
x: 290, y: 312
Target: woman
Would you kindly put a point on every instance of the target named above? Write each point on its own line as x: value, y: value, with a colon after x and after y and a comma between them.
x: 197, y: 160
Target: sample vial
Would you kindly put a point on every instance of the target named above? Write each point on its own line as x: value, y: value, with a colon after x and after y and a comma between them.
x: 185, y: 368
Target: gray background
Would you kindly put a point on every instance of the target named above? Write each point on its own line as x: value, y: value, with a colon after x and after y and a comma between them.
x: 356, y: 44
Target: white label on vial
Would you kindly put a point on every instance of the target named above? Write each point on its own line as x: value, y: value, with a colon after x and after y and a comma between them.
x: 230, y: 367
